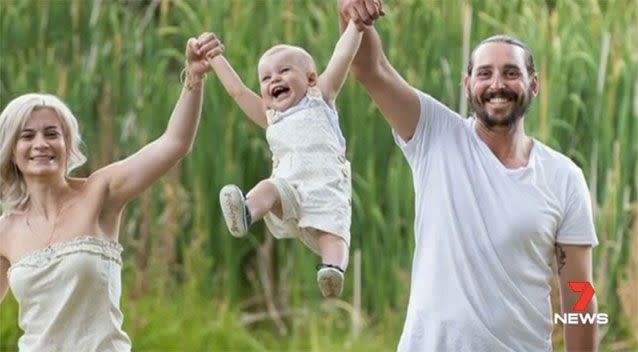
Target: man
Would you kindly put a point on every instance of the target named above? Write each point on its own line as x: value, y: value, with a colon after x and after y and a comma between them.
x: 493, y: 205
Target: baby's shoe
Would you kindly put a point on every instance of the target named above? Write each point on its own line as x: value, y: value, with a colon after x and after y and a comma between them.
x: 330, y: 280
x: 234, y: 209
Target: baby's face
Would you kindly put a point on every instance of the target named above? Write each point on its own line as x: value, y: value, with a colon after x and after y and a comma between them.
x: 283, y: 79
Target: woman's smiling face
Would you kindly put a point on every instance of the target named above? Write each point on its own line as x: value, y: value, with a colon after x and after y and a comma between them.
x: 41, y: 149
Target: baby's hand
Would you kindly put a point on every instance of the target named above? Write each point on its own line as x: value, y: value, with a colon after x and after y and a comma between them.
x: 199, y: 50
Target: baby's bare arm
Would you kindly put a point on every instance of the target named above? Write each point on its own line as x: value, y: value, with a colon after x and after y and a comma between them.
x: 250, y: 103
x: 335, y: 74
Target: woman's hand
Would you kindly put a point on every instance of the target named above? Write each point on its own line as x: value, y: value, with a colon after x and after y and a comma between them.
x: 199, y: 51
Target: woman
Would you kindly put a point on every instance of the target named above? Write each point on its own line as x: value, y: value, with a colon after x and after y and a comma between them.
x: 59, y: 249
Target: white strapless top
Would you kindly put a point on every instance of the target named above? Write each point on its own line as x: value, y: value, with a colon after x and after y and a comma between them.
x: 69, y: 297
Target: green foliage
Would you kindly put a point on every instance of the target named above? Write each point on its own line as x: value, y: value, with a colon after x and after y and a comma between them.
x: 189, y: 285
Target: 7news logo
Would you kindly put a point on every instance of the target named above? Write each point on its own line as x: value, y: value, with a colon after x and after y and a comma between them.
x: 586, y: 291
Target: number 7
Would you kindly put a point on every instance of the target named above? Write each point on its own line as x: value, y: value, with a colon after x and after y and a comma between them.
x: 585, y: 297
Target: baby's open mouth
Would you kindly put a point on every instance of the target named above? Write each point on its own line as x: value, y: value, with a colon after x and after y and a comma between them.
x: 277, y: 91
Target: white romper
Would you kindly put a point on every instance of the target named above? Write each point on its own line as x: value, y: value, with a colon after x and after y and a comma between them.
x: 69, y: 297
x: 310, y: 171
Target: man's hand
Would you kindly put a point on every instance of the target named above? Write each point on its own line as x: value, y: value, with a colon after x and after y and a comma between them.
x: 361, y: 12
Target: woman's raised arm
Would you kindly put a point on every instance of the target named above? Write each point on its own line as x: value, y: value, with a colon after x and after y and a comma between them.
x: 127, y: 178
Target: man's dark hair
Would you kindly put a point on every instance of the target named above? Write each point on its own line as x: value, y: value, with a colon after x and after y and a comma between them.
x: 502, y: 38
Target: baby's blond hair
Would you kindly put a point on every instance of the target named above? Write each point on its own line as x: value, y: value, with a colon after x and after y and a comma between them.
x: 302, y: 57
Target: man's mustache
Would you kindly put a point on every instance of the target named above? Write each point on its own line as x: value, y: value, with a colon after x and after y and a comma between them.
x: 504, y: 93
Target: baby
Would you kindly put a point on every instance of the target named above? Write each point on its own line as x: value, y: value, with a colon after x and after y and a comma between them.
x: 308, y: 195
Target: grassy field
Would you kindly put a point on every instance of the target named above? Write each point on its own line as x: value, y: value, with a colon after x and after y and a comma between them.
x: 189, y: 285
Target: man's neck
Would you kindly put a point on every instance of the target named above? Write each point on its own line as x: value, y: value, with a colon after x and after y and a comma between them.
x: 511, y: 146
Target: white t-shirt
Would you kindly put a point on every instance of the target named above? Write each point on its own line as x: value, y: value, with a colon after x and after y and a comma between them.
x: 485, y: 238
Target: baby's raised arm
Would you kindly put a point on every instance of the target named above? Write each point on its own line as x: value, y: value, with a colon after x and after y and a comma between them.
x: 249, y: 102
x: 335, y: 74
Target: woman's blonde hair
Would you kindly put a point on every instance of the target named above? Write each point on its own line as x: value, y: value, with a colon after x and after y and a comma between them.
x: 13, y: 190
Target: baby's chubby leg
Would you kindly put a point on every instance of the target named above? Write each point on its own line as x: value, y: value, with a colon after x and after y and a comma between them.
x: 264, y: 197
x: 334, y: 250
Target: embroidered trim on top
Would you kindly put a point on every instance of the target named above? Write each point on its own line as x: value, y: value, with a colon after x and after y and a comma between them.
x: 109, y: 249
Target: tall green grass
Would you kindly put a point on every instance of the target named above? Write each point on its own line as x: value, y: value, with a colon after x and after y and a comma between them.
x: 189, y: 285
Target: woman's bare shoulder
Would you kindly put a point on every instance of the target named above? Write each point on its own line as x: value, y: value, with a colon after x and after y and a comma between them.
x: 5, y: 230
x: 5, y: 220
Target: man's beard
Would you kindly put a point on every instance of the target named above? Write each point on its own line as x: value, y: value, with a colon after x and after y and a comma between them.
x: 521, y: 106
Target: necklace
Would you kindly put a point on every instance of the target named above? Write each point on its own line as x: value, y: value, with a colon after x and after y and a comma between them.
x: 55, y: 224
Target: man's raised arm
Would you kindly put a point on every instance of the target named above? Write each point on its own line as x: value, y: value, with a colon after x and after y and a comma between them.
x: 396, y: 99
